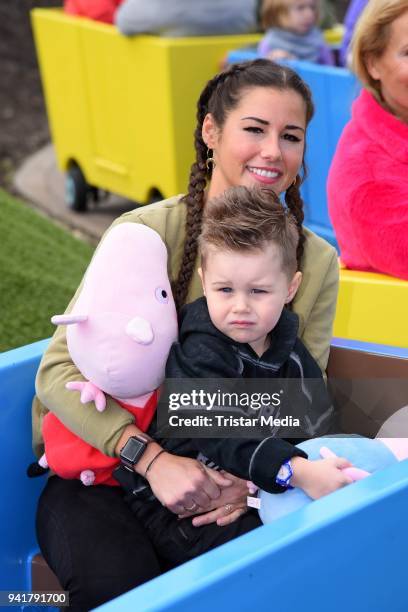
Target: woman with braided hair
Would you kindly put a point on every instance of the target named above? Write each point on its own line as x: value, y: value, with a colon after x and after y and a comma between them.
x: 251, y: 127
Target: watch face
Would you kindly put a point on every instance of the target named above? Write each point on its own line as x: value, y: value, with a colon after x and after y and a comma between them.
x: 284, y: 472
x: 284, y: 475
x: 132, y: 450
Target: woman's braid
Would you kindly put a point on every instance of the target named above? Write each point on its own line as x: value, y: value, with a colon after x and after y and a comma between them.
x: 194, y: 199
x: 294, y: 203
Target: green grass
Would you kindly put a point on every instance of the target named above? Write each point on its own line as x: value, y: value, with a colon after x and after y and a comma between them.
x: 41, y: 266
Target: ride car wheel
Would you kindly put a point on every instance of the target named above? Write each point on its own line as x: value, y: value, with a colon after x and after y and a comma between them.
x: 76, y: 189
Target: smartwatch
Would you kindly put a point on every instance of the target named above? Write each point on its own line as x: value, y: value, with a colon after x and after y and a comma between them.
x: 133, y: 450
x: 284, y: 475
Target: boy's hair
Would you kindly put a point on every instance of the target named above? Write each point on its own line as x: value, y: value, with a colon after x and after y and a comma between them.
x: 273, y: 13
x: 371, y: 37
x: 246, y: 219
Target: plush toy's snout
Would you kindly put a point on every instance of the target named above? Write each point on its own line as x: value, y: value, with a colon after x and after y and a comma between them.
x: 140, y: 330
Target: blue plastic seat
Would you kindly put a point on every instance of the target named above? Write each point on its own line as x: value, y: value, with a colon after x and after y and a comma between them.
x: 346, y: 547
x: 19, y: 493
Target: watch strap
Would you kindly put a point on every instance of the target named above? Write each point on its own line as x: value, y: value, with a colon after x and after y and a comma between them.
x: 133, y: 450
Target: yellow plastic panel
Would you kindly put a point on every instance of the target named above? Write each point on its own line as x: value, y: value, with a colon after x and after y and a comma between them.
x: 124, y: 108
x: 58, y: 47
x: 129, y: 121
x: 372, y: 308
x: 193, y: 61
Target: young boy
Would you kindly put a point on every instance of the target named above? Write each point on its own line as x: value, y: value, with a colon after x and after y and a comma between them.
x: 242, y: 328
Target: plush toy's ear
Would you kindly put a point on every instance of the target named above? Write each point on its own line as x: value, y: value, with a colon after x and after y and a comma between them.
x: 355, y: 473
x: 352, y: 472
x: 69, y: 319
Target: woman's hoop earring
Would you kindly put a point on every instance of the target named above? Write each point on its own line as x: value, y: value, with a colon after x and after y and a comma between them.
x: 209, y: 162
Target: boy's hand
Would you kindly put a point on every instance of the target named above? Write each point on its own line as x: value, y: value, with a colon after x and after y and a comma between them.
x: 321, y: 477
x: 354, y: 473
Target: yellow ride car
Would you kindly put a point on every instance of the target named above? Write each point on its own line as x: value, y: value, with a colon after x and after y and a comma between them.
x: 122, y: 110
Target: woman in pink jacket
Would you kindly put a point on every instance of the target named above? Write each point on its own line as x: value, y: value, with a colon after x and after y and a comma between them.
x: 368, y: 179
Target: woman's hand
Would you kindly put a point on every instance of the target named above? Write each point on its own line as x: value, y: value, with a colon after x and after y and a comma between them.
x: 229, y: 506
x: 321, y: 477
x: 180, y: 483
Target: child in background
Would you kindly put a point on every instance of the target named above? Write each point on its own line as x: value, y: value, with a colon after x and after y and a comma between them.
x: 292, y: 33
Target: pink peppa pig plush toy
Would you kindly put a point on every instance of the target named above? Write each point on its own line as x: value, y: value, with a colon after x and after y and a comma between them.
x: 119, y: 334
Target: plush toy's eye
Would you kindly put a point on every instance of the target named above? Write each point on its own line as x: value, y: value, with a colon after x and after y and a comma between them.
x: 162, y: 295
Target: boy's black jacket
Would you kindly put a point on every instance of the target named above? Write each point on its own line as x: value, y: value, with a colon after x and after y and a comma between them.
x: 205, y: 352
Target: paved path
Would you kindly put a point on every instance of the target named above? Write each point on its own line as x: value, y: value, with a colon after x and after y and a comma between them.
x: 39, y: 181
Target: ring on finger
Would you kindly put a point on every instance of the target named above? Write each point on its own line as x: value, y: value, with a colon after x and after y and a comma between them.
x: 227, y: 508
x: 193, y: 507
